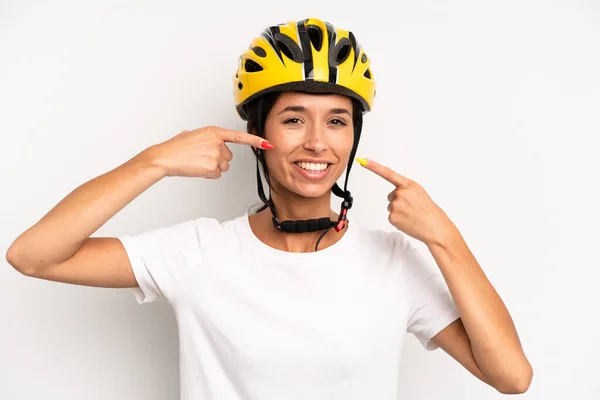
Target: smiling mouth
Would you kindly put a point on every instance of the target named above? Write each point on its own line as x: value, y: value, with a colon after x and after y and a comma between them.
x: 313, y: 167
x: 315, y: 172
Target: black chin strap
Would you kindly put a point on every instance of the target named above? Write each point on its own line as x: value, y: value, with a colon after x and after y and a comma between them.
x: 311, y: 225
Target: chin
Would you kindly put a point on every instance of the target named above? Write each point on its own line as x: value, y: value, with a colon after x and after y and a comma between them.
x: 313, y: 192
x: 309, y: 189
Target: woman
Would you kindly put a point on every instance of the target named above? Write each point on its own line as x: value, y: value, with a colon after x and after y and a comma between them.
x: 293, y: 301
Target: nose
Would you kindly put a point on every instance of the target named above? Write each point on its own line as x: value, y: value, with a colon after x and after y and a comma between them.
x: 315, y: 139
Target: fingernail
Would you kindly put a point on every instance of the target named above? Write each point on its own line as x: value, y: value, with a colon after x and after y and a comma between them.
x: 266, y: 145
x: 362, y: 161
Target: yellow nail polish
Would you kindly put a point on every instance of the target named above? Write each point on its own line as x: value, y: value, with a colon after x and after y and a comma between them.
x: 361, y: 161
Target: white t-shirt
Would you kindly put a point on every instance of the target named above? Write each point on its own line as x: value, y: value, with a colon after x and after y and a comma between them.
x: 257, y: 323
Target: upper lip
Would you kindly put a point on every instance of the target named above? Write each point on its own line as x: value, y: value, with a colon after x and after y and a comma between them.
x: 314, y: 161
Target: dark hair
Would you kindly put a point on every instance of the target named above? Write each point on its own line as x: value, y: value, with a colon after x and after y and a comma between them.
x: 257, y: 116
x: 254, y: 120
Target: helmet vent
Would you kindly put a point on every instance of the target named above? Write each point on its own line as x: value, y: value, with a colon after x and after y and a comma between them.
x: 259, y: 51
x: 364, y: 58
x: 252, y: 66
x: 341, y: 51
x: 289, y: 48
x: 315, y: 35
x: 368, y: 73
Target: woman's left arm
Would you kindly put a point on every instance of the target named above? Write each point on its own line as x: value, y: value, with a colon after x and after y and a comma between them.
x: 484, y: 340
x: 485, y: 336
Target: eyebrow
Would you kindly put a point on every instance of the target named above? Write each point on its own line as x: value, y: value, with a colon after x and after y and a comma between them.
x: 303, y: 109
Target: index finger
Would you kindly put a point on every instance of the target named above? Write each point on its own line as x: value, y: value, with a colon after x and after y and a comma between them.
x: 244, y: 138
x: 385, y: 172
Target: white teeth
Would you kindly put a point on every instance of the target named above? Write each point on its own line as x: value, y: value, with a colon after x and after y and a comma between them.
x: 312, y: 166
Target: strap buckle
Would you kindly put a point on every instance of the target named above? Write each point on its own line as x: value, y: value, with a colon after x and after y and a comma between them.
x: 346, y: 205
x: 348, y: 201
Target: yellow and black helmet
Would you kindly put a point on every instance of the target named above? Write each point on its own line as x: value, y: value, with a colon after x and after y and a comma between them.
x: 308, y: 55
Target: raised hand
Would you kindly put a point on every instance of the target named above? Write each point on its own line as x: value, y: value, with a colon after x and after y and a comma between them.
x: 202, y: 152
x: 411, y: 209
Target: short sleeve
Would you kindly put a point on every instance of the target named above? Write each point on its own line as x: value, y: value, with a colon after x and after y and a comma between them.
x: 161, y: 260
x: 431, y: 306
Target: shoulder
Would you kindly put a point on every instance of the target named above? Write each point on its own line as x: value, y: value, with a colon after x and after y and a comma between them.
x: 184, y: 232
x: 398, y: 251
x: 210, y: 229
x: 391, y: 242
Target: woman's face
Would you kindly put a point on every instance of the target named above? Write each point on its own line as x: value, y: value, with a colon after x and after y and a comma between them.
x: 313, y: 136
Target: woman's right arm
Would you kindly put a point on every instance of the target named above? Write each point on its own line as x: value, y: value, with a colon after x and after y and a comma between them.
x: 59, y: 248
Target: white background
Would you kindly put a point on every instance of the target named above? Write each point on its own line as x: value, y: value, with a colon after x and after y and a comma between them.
x: 494, y: 107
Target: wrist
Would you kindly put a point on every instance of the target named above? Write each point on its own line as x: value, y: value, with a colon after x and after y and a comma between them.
x: 150, y: 159
x: 445, y: 238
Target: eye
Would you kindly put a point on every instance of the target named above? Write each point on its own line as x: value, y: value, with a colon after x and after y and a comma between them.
x: 292, y: 121
x: 337, y: 121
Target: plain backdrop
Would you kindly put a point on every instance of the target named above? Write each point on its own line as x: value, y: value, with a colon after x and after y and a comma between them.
x: 493, y: 107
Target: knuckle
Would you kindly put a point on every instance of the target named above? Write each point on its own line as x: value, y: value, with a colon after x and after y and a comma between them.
x: 214, y: 131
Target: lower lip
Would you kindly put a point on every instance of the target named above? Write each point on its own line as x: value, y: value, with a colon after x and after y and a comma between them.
x: 313, y: 175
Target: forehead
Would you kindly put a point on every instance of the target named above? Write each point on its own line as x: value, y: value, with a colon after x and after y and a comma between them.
x: 310, y: 101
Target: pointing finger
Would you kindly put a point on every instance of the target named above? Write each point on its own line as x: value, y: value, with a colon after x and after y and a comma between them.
x: 385, y: 172
x: 244, y: 138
